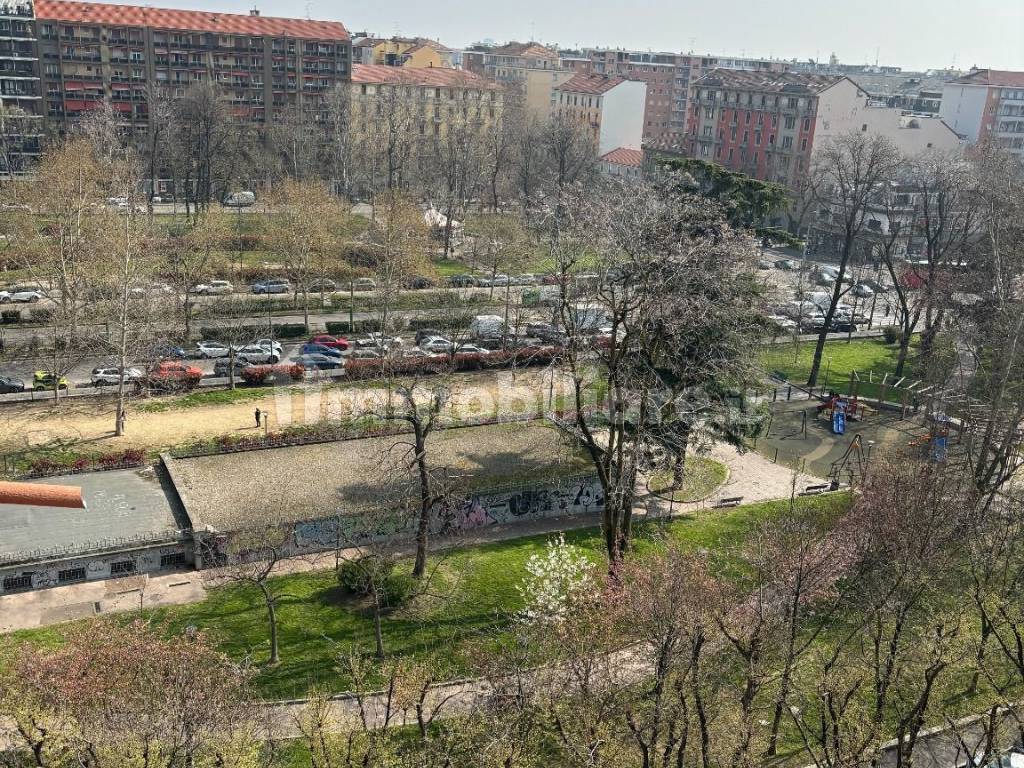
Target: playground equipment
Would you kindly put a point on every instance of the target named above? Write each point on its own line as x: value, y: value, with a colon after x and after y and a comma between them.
x: 853, y: 462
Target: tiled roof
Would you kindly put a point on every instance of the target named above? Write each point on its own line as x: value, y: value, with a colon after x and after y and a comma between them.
x: 590, y: 83
x: 433, y: 77
x: 187, y: 21
x: 779, y: 82
x: 533, y: 50
x: 623, y: 156
x: 997, y: 77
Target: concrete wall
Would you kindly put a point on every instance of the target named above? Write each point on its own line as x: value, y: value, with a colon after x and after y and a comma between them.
x: 843, y: 108
x: 622, y: 117
x: 97, y: 566
x: 571, y: 496
x: 963, y: 109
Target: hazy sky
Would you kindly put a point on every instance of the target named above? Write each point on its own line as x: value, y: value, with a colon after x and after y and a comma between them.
x: 913, y: 34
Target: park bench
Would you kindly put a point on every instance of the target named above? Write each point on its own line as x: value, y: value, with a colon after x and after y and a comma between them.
x: 733, y: 501
x: 814, y: 490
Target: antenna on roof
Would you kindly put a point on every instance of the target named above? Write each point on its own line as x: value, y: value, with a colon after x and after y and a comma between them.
x: 307, y: 11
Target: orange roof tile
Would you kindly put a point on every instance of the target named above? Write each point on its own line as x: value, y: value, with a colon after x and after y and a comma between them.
x: 109, y: 14
x: 434, y: 77
x: 623, y: 156
x: 1001, y: 78
x: 590, y: 83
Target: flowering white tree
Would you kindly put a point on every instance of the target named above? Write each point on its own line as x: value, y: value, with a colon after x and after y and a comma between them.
x: 555, y: 582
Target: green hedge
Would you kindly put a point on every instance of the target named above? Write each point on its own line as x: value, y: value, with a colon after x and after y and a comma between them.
x: 335, y: 327
x: 240, y: 332
x: 10, y: 316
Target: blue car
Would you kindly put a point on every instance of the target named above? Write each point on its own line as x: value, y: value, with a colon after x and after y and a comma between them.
x: 319, y: 362
x: 310, y: 348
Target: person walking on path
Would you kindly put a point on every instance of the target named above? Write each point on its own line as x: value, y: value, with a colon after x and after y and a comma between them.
x: 259, y: 413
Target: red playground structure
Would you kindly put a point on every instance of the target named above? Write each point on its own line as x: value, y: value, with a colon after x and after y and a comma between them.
x: 852, y: 407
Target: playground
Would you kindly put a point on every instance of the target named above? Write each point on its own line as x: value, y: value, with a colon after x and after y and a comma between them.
x: 834, y: 434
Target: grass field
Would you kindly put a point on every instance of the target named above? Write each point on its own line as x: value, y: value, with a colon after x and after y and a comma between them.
x: 701, y: 478
x: 317, y: 621
x: 838, y: 360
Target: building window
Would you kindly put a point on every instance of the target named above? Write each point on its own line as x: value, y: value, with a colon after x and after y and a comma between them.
x: 709, y: 113
x: 807, y: 123
x: 14, y: 583
x: 803, y: 145
x: 71, y: 574
x: 708, y: 130
x: 122, y: 566
x: 173, y: 559
x: 864, y: 128
x: 704, y: 150
x: 787, y: 142
x: 790, y: 123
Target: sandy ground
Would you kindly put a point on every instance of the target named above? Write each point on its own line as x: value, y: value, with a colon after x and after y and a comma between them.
x: 90, y: 422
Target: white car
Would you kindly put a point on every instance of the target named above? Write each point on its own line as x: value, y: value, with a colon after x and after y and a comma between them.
x: 23, y: 295
x: 259, y: 353
x: 783, y: 322
x: 104, y: 376
x: 378, y: 340
x: 862, y: 291
x: 212, y: 349
x: 213, y: 288
x: 436, y: 344
x: 471, y: 349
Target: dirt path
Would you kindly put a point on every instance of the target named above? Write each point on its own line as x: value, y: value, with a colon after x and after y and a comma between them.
x: 90, y: 421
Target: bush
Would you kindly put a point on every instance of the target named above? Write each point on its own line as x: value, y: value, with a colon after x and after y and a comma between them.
x: 356, y: 577
x: 41, y: 315
x: 892, y: 334
x: 10, y: 316
x: 454, y: 322
x: 291, y: 330
x: 261, y: 374
x: 341, y: 327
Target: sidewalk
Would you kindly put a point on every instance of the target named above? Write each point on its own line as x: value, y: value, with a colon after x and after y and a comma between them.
x: 751, y: 476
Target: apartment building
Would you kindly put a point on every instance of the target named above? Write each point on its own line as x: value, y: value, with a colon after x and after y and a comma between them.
x: 89, y: 53
x: 435, y: 97
x: 21, y: 123
x: 609, y: 108
x: 622, y: 163
x: 668, y: 77
x: 400, y: 52
x: 529, y: 70
x: 766, y: 125
x: 987, y: 105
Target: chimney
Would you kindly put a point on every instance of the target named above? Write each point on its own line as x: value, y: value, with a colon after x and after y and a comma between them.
x: 254, y: 12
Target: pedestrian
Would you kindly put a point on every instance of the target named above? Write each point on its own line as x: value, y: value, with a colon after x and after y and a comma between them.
x: 259, y: 413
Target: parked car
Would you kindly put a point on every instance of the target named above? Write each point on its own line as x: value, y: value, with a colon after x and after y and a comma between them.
x: 309, y: 348
x: 364, y: 284
x: 462, y: 281
x: 839, y: 325
x: 436, y: 344
x: 21, y: 294
x: 259, y: 353
x: 113, y: 375
x: 9, y: 385
x: 782, y: 322
x: 366, y: 353
x: 224, y: 365
x: 471, y: 349
x: 213, y: 288
x: 546, y: 332
x: 47, y: 380
x: 787, y: 264
x: 173, y: 375
x: 497, y: 281
x: 377, y: 339
x: 276, y: 285
x: 426, y: 333
x: 212, y: 349
x: 419, y: 282
x: 171, y: 352
x: 275, y: 345
x: 322, y: 285
x: 526, y: 279
x: 334, y: 342
x: 863, y: 291
x: 765, y: 264
x: 414, y: 352
x: 239, y: 199
x: 319, y: 362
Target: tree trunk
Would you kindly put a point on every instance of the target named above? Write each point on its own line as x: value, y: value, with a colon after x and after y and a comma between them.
x: 819, y: 347
x: 679, y: 463
x: 275, y: 656
x: 378, y: 632
x: 423, y: 529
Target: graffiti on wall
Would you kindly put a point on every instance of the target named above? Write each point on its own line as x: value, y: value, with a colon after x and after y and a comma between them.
x: 453, y: 519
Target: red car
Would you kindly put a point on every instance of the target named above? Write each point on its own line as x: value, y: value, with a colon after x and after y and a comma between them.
x: 170, y: 374
x: 334, y: 342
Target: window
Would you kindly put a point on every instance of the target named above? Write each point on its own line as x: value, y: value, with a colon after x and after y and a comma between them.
x: 807, y: 123
x: 803, y: 145
x: 14, y: 583
x: 757, y: 138
x: 790, y: 123
x: 787, y: 142
x: 708, y: 130
x: 709, y: 113
x: 704, y: 150
x: 71, y: 574
x: 173, y: 559
x: 122, y: 566
x: 864, y: 128
x: 748, y: 117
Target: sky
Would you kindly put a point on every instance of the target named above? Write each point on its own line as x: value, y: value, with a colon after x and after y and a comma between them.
x: 913, y: 34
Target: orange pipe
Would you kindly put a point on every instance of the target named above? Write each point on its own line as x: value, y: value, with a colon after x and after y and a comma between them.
x: 40, y: 495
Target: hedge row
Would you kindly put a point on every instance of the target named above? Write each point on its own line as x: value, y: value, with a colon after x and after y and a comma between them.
x: 371, y: 369
x: 340, y: 327
x: 281, y: 331
x: 261, y: 374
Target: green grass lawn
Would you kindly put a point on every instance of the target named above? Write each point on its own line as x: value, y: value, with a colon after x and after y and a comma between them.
x: 449, y: 267
x: 838, y: 360
x: 318, y: 622
x: 701, y: 477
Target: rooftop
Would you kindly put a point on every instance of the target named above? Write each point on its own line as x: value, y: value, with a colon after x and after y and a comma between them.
x: 190, y: 21
x: 234, y: 490
x: 624, y: 156
x: 590, y: 83
x: 531, y: 50
x: 121, y: 506
x: 434, y: 77
x: 777, y: 82
x: 998, y: 77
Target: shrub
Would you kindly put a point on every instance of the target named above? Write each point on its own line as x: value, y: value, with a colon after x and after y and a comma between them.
x: 892, y: 334
x: 261, y: 374
x: 358, y: 576
x: 341, y: 327
x: 41, y: 315
x: 10, y: 316
x: 291, y: 330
